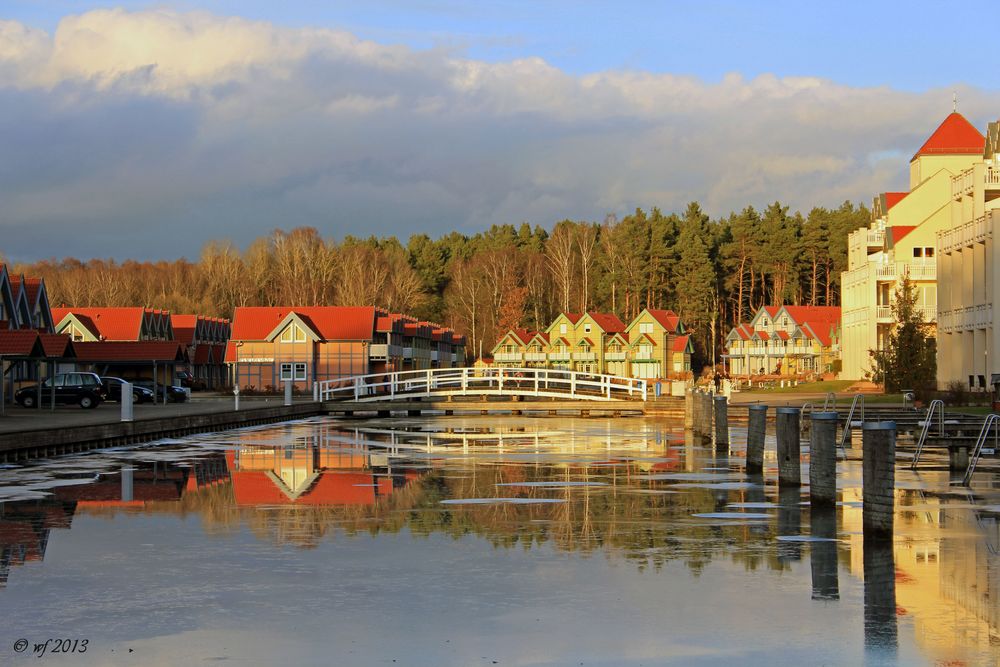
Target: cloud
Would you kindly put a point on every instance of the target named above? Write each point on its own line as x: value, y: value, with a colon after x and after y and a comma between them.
x: 155, y: 130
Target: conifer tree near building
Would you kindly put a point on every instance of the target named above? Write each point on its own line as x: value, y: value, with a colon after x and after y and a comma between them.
x: 909, y: 358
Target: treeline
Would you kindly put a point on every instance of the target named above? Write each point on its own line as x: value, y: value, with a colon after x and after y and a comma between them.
x: 713, y: 272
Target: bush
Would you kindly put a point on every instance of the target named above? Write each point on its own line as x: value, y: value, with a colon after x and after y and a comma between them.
x: 956, y: 393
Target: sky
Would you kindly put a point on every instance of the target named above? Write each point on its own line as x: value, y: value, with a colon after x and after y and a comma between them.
x: 146, y: 129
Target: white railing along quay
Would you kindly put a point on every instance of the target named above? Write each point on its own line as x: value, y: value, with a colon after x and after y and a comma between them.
x: 540, y: 382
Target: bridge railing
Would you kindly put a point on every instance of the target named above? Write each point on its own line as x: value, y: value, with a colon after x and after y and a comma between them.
x: 542, y: 382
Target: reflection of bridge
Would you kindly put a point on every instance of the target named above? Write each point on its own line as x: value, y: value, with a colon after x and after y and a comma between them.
x: 512, y: 382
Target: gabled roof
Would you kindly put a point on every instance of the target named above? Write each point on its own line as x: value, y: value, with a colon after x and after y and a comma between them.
x: 585, y: 341
x: 608, y: 322
x: 667, y: 319
x: 620, y: 336
x: 57, y: 345
x: 330, y: 322
x: 145, y: 350
x: 301, y: 321
x: 21, y: 343
x: 954, y: 136
x: 573, y: 317
x: 783, y: 335
x: 541, y: 337
x: 116, y: 324
x: 185, y: 327
x: 893, y: 198
x: 682, y: 344
x: 897, y: 233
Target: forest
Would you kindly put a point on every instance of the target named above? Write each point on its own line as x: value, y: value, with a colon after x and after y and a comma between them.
x: 714, y: 273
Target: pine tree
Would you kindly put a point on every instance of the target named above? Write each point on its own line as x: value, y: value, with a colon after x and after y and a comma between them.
x: 908, y: 360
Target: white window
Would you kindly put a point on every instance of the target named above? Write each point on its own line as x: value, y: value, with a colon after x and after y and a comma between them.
x: 645, y: 327
x: 562, y: 328
x: 293, y: 334
x: 293, y: 371
x: 586, y: 328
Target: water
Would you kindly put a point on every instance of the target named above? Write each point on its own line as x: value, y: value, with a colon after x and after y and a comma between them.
x: 555, y: 541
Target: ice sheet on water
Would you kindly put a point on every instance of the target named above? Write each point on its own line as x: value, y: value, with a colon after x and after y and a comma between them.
x: 721, y: 486
x: 16, y: 493
x: 805, y: 538
x: 497, y: 501
x: 732, y: 515
x: 693, y: 476
x: 552, y: 484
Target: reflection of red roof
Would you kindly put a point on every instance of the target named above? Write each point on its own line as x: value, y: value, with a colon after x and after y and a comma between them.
x: 954, y: 136
x: 783, y: 335
x: 893, y: 198
x: 147, y: 350
x: 253, y: 487
x: 329, y: 322
x: 899, y: 231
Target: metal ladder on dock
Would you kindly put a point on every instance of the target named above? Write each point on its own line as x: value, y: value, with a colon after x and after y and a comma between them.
x: 937, y: 405
x: 989, y: 424
x: 858, y: 399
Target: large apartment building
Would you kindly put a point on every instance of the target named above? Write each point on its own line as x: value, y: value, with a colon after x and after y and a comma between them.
x: 902, y: 241
x: 653, y: 345
x: 968, y: 281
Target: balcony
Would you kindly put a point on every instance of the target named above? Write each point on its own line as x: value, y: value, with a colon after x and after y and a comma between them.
x: 558, y: 356
x: 536, y: 356
x: 616, y: 356
x: 875, y: 239
x: 382, y: 351
x: 508, y: 357
x: 965, y: 183
x: 883, y: 314
x: 584, y: 356
x: 976, y: 231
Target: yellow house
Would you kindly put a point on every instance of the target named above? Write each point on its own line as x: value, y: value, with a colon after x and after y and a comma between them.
x: 901, y: 241
x: 785, y: 340
x: 658, y: 346
x: 654, y: 345
x: 968, y: 283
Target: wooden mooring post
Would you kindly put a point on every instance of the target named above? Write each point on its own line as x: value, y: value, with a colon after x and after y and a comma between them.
x: 878, y: 478
x: 721, y: 422
x: 756, y: 431
x: 823, y: 459
x: 789, y: 443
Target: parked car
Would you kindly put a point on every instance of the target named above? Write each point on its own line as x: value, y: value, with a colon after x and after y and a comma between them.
x: 190, y: 381
x: 83, y: 389
x: 175, y: 394
x: 113, y: 386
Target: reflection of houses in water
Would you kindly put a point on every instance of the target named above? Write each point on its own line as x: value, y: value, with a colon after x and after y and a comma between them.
x: 310, y: 474
x: 24, y: 531
x: 945, y: 571
x: 137, y: 485
x: 25, y: 525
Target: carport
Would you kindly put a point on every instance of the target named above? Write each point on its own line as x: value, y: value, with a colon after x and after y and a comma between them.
x: 26, y: 346
x: 156, y: 360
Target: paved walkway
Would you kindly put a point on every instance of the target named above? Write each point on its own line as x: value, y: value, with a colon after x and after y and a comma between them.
x: 20, y: 419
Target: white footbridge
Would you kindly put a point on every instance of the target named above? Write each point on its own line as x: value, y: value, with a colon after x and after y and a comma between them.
x: 445, y: 382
